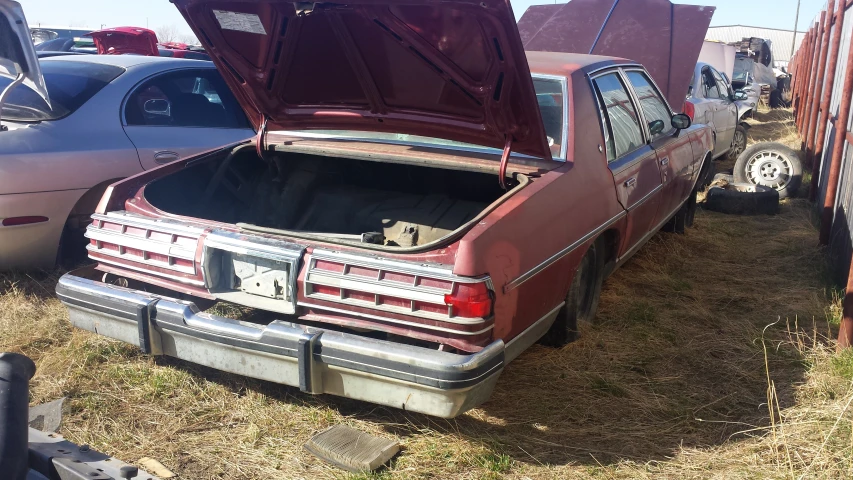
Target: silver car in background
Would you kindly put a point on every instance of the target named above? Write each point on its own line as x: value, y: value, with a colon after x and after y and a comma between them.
x: 109, y: 117
x: 711, y: 100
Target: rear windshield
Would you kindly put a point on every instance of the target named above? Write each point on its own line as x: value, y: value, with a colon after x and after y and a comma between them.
x: 69, y: 86
x: 549, y: 96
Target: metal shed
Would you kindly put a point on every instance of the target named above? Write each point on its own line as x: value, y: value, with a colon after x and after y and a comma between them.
x: 780, y: 39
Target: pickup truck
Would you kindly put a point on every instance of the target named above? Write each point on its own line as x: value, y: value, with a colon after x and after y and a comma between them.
x: 424, y: 201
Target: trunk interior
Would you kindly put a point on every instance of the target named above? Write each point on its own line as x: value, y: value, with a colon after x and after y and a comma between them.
x: 369, y: 202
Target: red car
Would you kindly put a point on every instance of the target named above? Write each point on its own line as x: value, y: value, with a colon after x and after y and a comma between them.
x: 423, y: 202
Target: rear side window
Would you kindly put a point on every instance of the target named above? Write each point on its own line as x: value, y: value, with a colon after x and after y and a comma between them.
x: 623, y: 131
x: 190, y: 98
x: 549, y: 95
x: 653, y: 107
x: 69, y: 85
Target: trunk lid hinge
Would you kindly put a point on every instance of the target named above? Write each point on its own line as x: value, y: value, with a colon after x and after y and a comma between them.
x: 504, y: 162
x: 261, y: 139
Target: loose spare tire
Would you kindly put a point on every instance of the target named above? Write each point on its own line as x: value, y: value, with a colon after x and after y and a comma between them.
x: 743, y: 199
x: 770, y: 164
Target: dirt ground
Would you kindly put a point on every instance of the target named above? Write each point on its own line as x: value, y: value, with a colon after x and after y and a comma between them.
x: 711, y: 357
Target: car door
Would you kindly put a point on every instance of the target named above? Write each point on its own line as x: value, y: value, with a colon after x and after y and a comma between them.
x: 631, y: 159
x: 727, y: 113
x: 719, y: 105
x: 712, y: 102
x: 672, y: 149
x: 177, y: 114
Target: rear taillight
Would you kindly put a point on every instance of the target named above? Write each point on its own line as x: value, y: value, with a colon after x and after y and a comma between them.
x: 690, y: 110
x: 470, y: 300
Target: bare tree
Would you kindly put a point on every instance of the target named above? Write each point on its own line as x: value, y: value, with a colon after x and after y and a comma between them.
x: 188, y: 38
x: 167, y: 33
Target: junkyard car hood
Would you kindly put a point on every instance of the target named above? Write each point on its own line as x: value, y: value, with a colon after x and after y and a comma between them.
x: 665, y: 38
x: 446, y: 69
x: 125, y: 40
x: 17, y: 52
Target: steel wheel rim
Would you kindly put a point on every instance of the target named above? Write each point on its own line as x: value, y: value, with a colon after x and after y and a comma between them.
x: 769, y: 169
x: 739, y: 143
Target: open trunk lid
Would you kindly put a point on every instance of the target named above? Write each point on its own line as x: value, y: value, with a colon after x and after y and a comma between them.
x: 126, y: 40
x: 453, y: 70
x: 664, y: 37
x: 17, y: 52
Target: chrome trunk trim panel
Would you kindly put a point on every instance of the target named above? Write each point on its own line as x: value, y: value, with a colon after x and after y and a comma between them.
x: 380, y: 286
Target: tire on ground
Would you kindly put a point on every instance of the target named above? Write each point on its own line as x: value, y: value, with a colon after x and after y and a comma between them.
x: 778, y: 150
x: 582, y: 298
x: 743, y: 199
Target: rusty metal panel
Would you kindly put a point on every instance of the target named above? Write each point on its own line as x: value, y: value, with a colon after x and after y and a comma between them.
x: 664, y: 37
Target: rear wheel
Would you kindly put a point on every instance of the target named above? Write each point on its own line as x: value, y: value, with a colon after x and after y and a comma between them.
x: 582, y: 299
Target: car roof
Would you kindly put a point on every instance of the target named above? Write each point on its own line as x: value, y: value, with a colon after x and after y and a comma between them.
x: 565, y: 64
x: 129, y: 61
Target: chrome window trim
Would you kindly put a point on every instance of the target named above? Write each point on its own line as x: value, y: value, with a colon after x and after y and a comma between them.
x: 616, y: 69
x: 637, y: 68
x: 564, y: 147
x: 512, y: 285
x: 641, y: 116
x: 597, y: 71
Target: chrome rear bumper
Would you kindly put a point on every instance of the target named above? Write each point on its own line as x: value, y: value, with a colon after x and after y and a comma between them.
x: 317, y: 361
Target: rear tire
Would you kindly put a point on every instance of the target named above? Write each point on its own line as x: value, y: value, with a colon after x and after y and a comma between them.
x: 582, y: 299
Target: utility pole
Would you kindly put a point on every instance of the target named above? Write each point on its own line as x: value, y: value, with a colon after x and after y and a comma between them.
x: 796, y: 24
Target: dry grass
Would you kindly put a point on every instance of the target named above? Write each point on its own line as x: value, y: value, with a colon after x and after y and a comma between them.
x: 699, y: 338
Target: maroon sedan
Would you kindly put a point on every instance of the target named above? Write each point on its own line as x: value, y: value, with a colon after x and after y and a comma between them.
x: 423, y: 202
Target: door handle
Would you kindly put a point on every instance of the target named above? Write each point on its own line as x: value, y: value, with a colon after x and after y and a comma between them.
x: 631, y: 182
x: 664, y: 161
x: 165, y: 156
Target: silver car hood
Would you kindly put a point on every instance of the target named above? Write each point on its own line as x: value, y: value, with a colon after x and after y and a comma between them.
x: 17, y: 53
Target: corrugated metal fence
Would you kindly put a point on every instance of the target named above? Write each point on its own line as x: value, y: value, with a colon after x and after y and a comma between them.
x: 822, y: 89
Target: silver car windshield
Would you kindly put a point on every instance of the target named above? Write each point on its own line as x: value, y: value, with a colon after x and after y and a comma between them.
x: 549, y: 95
x: 69, y: 85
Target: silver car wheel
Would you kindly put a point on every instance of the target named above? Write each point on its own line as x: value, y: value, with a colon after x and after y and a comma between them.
x: 769, y: 169
x: 738, y: 144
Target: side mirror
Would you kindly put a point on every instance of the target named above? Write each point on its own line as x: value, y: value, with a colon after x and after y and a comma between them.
x: 681, y: 121
x: 740, y: 95
x: 157, y: 106
x: 656, y: 127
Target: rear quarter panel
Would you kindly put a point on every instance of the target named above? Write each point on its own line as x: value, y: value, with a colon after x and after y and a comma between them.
x: 559, y: 208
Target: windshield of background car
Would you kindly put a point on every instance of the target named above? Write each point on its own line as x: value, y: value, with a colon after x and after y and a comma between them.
x: 549, y: 95
x: 69, y: 85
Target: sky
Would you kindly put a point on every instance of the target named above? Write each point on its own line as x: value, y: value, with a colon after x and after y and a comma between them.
x: 160, y: 13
